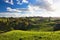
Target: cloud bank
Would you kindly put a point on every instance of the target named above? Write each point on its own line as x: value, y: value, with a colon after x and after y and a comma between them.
x: 42, y: 4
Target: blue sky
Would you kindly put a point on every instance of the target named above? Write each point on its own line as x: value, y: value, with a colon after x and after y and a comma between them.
x: 18, y: 8
x: 4, y: 4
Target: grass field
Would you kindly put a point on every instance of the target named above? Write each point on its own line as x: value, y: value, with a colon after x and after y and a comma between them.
x: 30, y: 35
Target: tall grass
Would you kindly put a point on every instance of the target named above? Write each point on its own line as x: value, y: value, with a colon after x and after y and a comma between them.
x: 28, y: 35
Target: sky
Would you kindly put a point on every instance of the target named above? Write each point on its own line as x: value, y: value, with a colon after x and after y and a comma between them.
x: 28, y: 8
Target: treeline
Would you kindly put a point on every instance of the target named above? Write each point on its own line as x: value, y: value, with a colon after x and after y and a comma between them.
x: 28, y: 23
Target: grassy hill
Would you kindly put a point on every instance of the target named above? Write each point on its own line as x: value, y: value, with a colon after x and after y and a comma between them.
x: 30, y: 35
x: 33, y: 28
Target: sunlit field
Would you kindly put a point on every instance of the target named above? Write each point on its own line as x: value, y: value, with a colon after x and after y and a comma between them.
x: 27, y: 35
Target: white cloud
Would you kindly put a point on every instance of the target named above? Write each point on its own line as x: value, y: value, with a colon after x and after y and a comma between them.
x: 13, y: 10
x: 18, y: 2
x: 25, y: 1
x: 43, y: 4
x: 10, y: 2
x: 56, y: 6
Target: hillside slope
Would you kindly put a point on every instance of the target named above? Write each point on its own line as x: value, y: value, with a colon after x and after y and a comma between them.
x: 30, y: 35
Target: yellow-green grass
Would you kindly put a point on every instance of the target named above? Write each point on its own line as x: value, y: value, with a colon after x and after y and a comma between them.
x: 30, y: 35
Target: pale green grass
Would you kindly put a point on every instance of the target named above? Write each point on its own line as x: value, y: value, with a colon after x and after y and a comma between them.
x: 28, y: 35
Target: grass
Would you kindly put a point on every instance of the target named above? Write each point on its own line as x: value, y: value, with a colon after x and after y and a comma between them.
x: 30, y: 35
